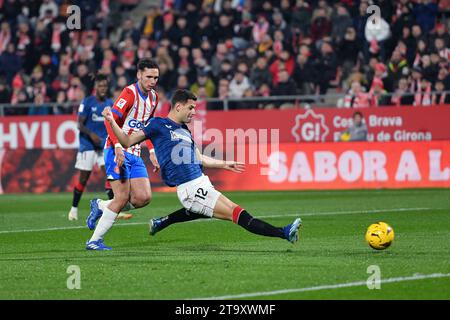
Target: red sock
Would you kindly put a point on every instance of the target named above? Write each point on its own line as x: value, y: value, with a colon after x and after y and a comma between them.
x: 236, y: 213
x: 80, y: 187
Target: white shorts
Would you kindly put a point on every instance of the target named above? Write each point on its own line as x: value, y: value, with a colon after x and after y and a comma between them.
x: 198, y: 196
x: 87, y: 159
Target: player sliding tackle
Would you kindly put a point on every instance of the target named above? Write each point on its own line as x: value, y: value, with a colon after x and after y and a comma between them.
x: 181, y: 166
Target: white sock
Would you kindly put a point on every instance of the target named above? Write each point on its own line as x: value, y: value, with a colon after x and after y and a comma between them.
x: 104, y: 224
x: 74, y: 209
x: 103, y: 204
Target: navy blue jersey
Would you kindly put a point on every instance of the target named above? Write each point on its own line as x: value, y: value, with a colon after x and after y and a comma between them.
x: 175, y: 151
x: 92, y: 109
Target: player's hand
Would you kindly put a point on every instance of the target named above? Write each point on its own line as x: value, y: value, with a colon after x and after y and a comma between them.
x: 154, y: 161
x: 120, y: 156
x: 234, y: 166
x: 108, y: 114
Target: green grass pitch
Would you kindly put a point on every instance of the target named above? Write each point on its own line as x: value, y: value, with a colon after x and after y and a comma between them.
x: 217, y: 259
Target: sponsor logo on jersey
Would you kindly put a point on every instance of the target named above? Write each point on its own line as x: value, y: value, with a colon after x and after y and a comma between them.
x: 121, y: 103
x: 97, y: 118
x: 133, y: 123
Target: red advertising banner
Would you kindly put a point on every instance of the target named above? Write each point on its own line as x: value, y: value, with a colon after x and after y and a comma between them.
x: 345, y: 166
x: 399, y: 124
x: 293, y: 167
x: 39, y: 132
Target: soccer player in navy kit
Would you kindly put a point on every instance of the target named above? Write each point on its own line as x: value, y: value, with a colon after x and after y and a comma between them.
x: 92, y: 139
x: 181, y: 164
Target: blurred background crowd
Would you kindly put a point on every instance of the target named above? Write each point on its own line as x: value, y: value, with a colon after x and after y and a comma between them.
x: 227, y: 49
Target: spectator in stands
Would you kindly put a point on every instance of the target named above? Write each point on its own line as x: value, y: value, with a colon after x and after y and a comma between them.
x: 5, y: 94
x: 260, y: 29
x: 304, y: 73
x: 39, y: 108
x: 285, y: 86
x: 348, y: 49
x: 260, y: 74
x: 301, y: 17
x: 10, y: 62
x: 61, y: 98
x: 397, y: 68
x: 341, y: 23
x: 284, y: 61
x: 48, y: 6
x: 415, y: 79
x: 440, y: 97
x: 246, y: 104
x: 182, y: 82
x: 205, y: 82
x: 222, y: 53
x: 226, y: 70
x: 243, y: 31
x: 444, y: 76
x: 321, y: 25
x: 325, y: 65
x: 152, y: 24
x: 378, y: 94
x: 5, y: 36
x: 442, y: 49
x: 357, y: 131
x: 382, y: 75
x: 356, y: 97
x: 424, y: 12
x: 402, y: 95
x: 422, y: 95
x: 239, y: 84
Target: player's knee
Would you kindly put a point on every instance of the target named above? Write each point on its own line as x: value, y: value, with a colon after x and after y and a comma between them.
x: 141, y: 199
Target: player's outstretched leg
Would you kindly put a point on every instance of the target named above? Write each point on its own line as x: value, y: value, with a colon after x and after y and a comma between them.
x: 77, y: 193
x: 109, y: 215
x: 97, y: 207
x: 181, y: 215
x: 227, y: 210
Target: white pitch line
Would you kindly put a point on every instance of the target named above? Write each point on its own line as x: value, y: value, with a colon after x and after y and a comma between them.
x: 260, y: 217
x: 326, y: 287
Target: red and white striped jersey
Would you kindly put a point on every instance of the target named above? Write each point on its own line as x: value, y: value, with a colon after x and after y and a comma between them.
x: 132, y: 110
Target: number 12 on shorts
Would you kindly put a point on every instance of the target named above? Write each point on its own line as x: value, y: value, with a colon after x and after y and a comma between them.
x: 201, y: 193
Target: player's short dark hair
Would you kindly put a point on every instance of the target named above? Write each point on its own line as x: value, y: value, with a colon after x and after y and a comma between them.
x: 182, y: 96
x: 101, y: 77
x: 147, y: 63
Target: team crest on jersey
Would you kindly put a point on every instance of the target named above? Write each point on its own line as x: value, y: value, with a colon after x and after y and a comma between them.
x: 175, y: 136
x: 121, y: 103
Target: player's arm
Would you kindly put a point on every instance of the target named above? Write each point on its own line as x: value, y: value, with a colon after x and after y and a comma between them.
x: 149, y: 144
x: 125, y: 140
x: 83, y: 114
x: 209, y: 162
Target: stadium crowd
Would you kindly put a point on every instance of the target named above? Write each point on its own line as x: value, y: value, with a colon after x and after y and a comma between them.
x: 228, y: 48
